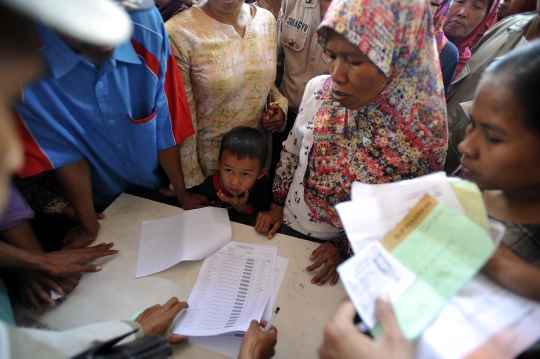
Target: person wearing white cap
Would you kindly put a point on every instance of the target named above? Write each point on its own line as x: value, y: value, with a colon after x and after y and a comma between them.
x: 19, y: 64
x: 106, y: 115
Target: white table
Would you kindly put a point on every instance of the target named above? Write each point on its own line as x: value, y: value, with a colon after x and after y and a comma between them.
x: 114, y: 293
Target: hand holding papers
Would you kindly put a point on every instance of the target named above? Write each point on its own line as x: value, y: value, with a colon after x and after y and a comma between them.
x: 232, y: 289
x: 228, y: 343
x: 371, y: 272
x: 443, y: 248
x: 190, y: 235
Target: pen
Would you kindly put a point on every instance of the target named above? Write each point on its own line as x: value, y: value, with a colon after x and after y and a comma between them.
x: 269, y: 324
x: 267, y: 105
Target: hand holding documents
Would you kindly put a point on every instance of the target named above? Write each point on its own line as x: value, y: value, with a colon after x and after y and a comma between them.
x: 371, y: 272
x: 441, y: 247
x: 430, y: 253
x: 232, y: 289
x: 186, y: 236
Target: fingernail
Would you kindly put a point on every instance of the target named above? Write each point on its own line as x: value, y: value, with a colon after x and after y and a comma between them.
x: 383, y: 296
x: 98, y: 268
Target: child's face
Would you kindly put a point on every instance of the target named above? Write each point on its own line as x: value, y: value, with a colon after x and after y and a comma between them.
x: 237, y: 176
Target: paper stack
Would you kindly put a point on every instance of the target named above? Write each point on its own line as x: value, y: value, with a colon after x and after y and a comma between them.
x: 238, y: 283
x: 423, y: 242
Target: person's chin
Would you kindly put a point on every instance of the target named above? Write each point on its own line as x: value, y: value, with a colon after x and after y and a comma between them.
x: 454, y: 32
x: 468, y: 174
x: 347, y: 102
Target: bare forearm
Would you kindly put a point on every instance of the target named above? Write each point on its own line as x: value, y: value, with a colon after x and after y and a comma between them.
x: 170, y: 160
x: 22, y: 237
x: 513, y: 273
x: 13, y: 257
x: 75, y: 179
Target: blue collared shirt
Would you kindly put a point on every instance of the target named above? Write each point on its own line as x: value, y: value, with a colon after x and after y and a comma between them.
x: 116, y: 115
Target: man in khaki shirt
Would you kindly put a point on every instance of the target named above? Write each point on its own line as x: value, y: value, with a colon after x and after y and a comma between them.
x: 300, y: 58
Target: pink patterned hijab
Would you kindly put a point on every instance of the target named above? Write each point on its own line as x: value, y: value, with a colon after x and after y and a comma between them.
x: 467, y: 42
x: 438, y: 23
x: 403, y: 132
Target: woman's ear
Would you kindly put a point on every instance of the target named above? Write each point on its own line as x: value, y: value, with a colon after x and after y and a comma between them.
x: 262, y: 173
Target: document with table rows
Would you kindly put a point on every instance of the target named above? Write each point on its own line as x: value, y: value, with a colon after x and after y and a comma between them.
x: 233, y: 288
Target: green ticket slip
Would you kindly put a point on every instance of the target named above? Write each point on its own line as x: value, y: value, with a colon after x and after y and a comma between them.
x: 444, y: 249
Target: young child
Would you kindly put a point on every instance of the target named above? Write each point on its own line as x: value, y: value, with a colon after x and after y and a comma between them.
x: 241, y: 181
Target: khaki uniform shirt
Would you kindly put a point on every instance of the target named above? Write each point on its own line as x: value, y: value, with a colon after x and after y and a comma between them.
x: 498, y: 41
x: 300, y: 58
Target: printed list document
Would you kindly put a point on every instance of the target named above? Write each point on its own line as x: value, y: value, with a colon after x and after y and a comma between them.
x: 480, y: 311
x: 190, y: 235
x: 233, y: 288
x: 368, y: 274
x: 377, y: 208
x: 228, y: 344
x: 444, y: 249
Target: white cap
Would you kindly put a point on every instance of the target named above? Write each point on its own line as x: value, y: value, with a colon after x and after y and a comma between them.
x: 99, y: 22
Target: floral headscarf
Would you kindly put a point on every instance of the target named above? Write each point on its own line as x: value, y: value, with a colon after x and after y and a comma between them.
x: 403, y: 132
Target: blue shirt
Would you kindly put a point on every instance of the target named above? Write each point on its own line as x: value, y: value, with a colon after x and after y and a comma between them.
x: 116, y: 115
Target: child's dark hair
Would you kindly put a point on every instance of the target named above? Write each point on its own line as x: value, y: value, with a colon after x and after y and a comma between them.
x: 523, y: 69
x: 245, y: 142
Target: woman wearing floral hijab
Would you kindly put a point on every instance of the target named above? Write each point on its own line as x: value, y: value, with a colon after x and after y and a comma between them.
x: 380, y: 117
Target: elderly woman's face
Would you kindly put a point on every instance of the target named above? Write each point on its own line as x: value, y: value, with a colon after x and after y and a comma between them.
x: 357, y: 81
x: 464, y: 16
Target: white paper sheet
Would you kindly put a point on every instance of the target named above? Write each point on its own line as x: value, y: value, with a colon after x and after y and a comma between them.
x: 420, y: 185
x: 190, y: 235
x: 377, y: 208
x: 370, y: 273
x: 512, y: 340
x: 232, y: 288
x: 228, y: 344
x: 281, y: 267
x: 496, y: 231
x: 480, y: 310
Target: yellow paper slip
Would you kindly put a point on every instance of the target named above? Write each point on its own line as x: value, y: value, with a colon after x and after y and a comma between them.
x: 472, y: 201
x: 444, y: 249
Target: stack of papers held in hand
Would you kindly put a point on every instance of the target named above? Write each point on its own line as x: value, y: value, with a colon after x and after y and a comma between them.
x: 414, y: 275
x: 426, y: 259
